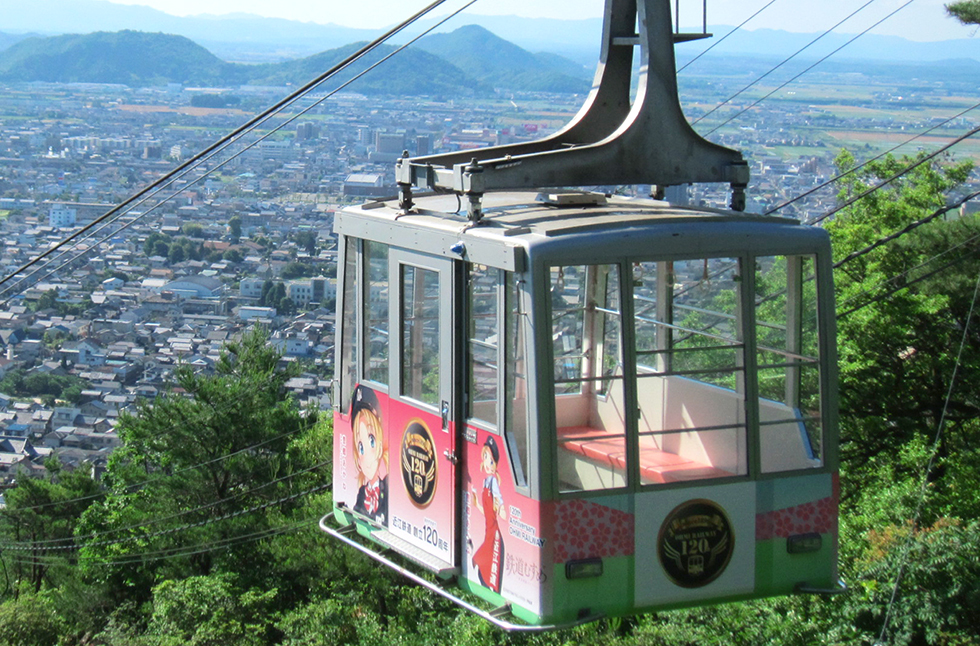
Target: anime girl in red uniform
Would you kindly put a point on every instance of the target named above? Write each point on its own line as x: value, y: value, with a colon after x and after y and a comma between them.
x: 489, y: 558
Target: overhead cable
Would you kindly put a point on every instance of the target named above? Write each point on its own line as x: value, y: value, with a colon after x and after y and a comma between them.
x: 783, y: 62
x: 919, y: 279
x: 136, y: 486
x: 168, y: 553
x: 907, y: 229
x: 71, y: 542
x: 239, y: 153
x: 908, y: 169
x: 907, y: 272
x: 723, y: 38
x: 179, y: 171
x: 869, y: 161
x: 781, y: 86
x: 927, y: 472
x: 41, y: 546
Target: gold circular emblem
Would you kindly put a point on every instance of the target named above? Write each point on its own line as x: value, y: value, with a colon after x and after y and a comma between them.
x: 418, y: 461
x: 696, y: 543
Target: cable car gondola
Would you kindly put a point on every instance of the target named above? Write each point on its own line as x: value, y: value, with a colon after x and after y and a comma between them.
x: 574, y: 405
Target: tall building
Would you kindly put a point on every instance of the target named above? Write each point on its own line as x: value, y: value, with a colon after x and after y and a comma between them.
x: 62, y: 217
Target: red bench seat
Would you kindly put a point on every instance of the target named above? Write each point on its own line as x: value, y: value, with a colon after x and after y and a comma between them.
x: 656, y: 465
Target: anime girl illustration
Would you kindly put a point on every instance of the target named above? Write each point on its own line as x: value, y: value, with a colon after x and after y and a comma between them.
x: 370, y: 456
x: 489, y: 557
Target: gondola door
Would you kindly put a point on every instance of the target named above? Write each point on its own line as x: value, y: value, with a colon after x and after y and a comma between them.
x: 422, y: 429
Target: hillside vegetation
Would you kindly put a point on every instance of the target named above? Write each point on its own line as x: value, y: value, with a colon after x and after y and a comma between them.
x: 203, y: 528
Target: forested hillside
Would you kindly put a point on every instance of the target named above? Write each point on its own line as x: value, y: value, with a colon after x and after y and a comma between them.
x: 203, y: 528
x: 442, y: 65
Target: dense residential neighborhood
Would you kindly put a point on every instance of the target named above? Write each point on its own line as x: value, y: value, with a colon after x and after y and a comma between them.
x: 245, y: 238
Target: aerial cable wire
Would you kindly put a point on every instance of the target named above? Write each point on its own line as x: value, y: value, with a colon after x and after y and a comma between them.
x: 907, y: 548
x: 136, y: 486
x: 907, y: 229
x: 907, y: 272
x: 784, y: 61
x: 43, y: 546
x: 217, y: 167
x: 172, y: 552
x: 781, y: 86
x: 918, y: 279
x: 896, y: 176
x: 722, y: 39
x: 230, y: 138
x: 179, y: 172
x: 58, y: 543
x: 866, y: 162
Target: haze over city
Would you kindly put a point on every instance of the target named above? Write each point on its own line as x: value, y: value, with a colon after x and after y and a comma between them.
x: 923, y: 20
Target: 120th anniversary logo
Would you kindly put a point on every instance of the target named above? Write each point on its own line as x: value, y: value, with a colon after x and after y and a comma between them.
x: 418, y: 460
x: 695, y: 543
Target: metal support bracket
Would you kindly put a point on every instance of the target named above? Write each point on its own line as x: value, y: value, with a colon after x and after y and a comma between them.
x: 611, y: 141
x: 803, y: 588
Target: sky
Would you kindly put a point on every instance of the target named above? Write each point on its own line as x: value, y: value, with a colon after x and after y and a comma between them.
x: 923, y: 20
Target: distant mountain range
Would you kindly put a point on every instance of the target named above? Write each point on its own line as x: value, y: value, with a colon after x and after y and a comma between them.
x: 140, y: 59
x: 249, y: 38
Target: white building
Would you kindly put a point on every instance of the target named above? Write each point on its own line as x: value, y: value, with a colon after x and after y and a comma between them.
x: 311, y: 290
x: 62, y: 217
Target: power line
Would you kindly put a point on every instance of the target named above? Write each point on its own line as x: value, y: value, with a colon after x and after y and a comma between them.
x: 173, y: 552
x: 907, y: 229
x: 138, y: 485
x: 903, y: 560
x: 230, y: 159
x: 178, y: 172
x: 723, y: 38
x: 778, y: 88
x: 42, y: 546
x: 897, y: 175
x: 909, y: 271
x: 894, y: 291
x: 783, y: 62
x: 865, y: 163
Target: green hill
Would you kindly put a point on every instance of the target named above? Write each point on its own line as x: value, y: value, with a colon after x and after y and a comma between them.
x: 127, y: 57
x: 447, y: 65
x: 504, y: 65
x: 141, y: 59
x: 410, y: 72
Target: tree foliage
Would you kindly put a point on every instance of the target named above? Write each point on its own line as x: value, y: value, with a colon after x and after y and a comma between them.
x: 203, y: 530
x: 966, y: 11
x: 901, y: 324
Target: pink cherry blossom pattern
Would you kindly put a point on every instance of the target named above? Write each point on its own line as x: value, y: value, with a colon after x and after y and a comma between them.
x: 585, y: 529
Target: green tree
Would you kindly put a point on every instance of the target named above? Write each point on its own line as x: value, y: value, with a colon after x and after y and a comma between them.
x: 47, y: 300
x: 306, y: 240
x: 30, y: 620
x: 966, y: 11
x: 898, y: 348
x: 192, y: 230
x: 161, y: 248
x: 177, y: 254
x: 235, y: 228
x: 295, y: 270
x: 39, y: 521
x: 215, y: 452
x: 210, y: 610
x: 267, y: 288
